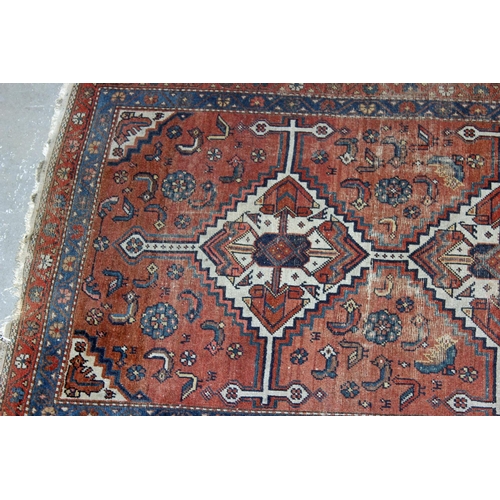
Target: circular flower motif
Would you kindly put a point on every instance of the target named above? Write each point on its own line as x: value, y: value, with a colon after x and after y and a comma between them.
x: 17, y: 394
x: 121, y: 177
x: 46, y: 261
x: 118, y: 152
x: 232, y: 393
x: 118, y: 96
x: 63, y: 173
x: 178, y: 186
x: 49, y: 411
x: 150, y: 99
x: 71, y: 392
x: 382, y: 327
x: 296, y: 394
x: 407, y: 107
x: 55, y: 330
x: 80, y: 347
x: 446, y: 91
x: 393, y: 191
x: 68, y: 263
x: 404, y: 304
x: 370, y: 88
x: 94, y: 316
x: 257, y: 102
x: 410, y: 87
x: 412, y: 212
x: 175, y: 272
x: 36, y: 293
x: 475, y: 161
x: 477, y: 110
x: 349, y: 389
x: 32, y: 328
x: 22, y: 361
x: 214, y: 154
x: 188, y: 358
x: 159, y: 321
x: 136, y: 373
x: 443, y: 109
x: 371, y: 136
x: 174, y: 132
x: 367, y: 108
x: 235, y: 351
x: 319, y: 157
x: 468, y: 374
x: 182, y: 221
x: 134, y: 245
x: 299, y: 356
x: 72, y: 146
x: 94, y: 147
x: 50, y: 229
x: 480, y: 90
x: 101, y: 243
x: 460, y: 403
x: 59, y: 201
x: 258, y: 155
x: 223, y: 102
x: 78, y: 118
x: 296, y: 86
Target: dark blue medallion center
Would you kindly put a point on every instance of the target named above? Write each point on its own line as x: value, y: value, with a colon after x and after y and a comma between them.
x: 278, y: 250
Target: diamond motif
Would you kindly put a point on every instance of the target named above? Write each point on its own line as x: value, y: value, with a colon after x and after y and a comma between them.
x: 322, y: 253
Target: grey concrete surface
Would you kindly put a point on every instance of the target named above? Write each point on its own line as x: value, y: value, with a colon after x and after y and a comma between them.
x: 26, y: 112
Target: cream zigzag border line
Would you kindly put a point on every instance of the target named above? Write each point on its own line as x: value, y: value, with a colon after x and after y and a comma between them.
x: 8, y: 330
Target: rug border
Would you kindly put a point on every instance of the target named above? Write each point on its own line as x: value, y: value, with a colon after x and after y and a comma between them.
x: 33, y: 216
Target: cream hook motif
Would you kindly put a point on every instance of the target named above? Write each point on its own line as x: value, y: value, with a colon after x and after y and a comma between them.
x: 392, y: 223
x: 386, y: 291
x: 432, y: 189
x: 363, y: 190
x: 189, y: 149
x: 374, y: 162
x: 223, y: 127
x: 167, y: 357
x: 351, y: 150
x: 422, y: 325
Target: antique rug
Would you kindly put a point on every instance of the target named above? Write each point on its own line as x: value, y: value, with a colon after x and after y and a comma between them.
x: 264, y: 249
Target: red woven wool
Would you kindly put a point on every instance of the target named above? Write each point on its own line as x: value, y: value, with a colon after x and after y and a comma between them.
x: 264, y: 249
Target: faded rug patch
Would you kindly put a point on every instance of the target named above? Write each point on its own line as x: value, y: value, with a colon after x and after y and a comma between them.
x: 265, y: 249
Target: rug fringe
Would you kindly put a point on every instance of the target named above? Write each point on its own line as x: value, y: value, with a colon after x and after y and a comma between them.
x: 23, y: 261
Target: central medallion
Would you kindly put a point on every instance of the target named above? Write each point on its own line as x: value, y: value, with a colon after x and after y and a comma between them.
x: 278, y: 250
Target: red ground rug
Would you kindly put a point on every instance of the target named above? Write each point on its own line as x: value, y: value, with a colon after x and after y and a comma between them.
x: 264, y: 249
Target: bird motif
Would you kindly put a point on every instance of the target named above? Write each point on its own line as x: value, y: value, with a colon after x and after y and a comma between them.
x: 91, y: 288
x: 374, y: 162
x: 331, y: 364
x: 356, y: 355
x: 117, y: 283
x: 238, y: 171
x: 440, y: 358
x: 384, y: 365
x: 129, y: 316
x: 167, y: 359
x: 129, y: 211
x: 352, y: 150
x: 195, y: 304
x: 422, y: 325
x: 215, y: 345
x: 400, y: 151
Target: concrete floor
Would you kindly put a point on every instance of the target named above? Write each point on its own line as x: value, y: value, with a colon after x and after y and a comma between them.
x: 26, y: 112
